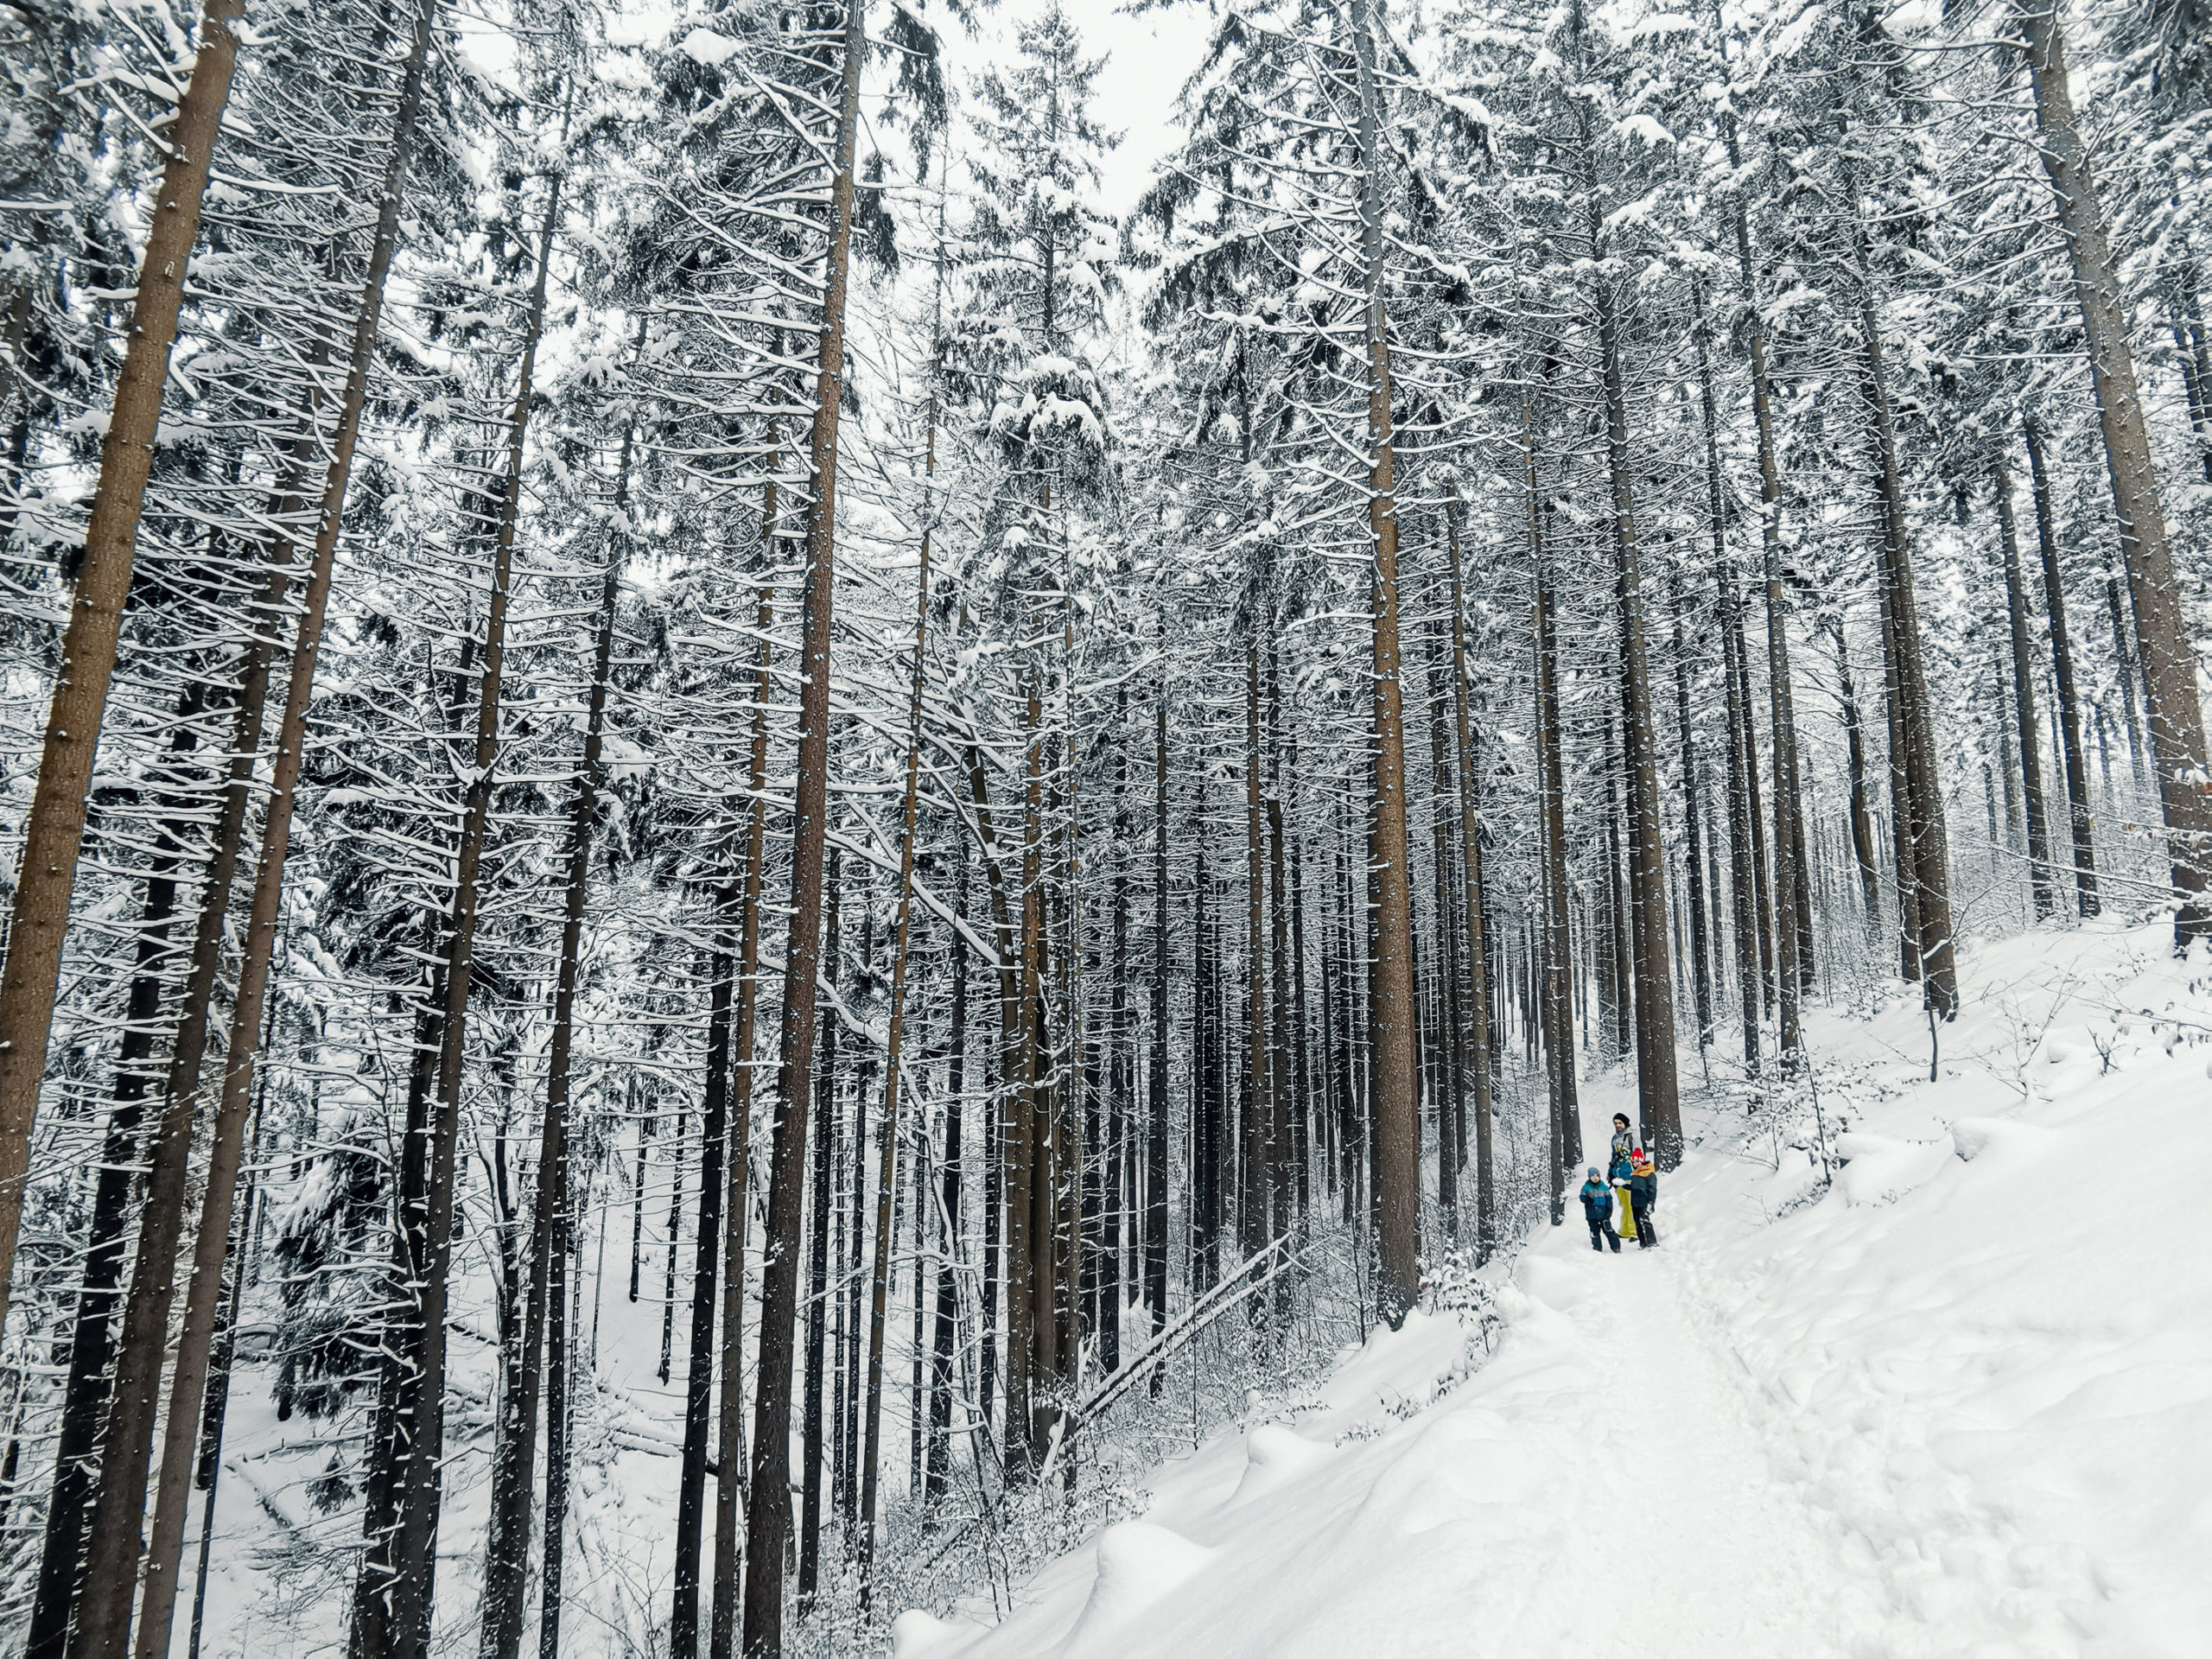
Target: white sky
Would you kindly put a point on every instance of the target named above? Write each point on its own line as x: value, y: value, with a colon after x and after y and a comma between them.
x: 1147, y: 60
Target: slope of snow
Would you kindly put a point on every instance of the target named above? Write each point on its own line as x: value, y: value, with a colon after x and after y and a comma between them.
x: 1952, y: 1401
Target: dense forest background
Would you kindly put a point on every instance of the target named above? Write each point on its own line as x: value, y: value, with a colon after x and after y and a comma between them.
x: 747, y: 847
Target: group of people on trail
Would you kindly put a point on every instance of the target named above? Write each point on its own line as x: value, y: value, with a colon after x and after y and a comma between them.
x: 1628, y: 1186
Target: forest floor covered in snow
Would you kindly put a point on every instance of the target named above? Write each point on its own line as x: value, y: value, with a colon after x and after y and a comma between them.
x: 1947, y: 1395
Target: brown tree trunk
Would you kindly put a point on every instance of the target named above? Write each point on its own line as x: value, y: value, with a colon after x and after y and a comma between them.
x: 1908, y: 889
x: 47, y: 875
x: 1027, y: 1300
x: 1396, y: 1105
x: 1284, y: 1104
x: 1001, y: 1124
x: 2081, y: 822
x: 558, y: 1328
x: 1793, y: 923
x: 768, y: 1515
x: 1743, y: 815
x: 2162, y: 634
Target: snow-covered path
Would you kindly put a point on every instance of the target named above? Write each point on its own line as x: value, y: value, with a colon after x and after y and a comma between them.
x: 1952, y: 1404
x: 1704, y: 1533
x: 1602, y: 1486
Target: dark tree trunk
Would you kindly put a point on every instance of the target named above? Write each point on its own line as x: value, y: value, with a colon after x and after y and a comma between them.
x: 1930, y: 855
x: 1693, y: 823
x: 507, y: 1539
x: 1155, y: 1151
x: 706, y: 1270
x: 721, y: 1635
x: 85, y: 1396
x: 1557, y: 1015
x: 1658, y: 1099
x: 2080, y: 820
x: 820, y: 1212
x: 2023, y: 696
x: 894, y: 1038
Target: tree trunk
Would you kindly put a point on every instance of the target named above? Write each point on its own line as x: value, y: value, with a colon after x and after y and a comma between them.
x: 1862, y: 819
x: 61, y: 1562
x: 1482, y: 1055
x: 1027, y: 1299
x: 1254, y: 1226
x: 1908, y: 890
x: 730, y: 1429
x: 1564, y: 1146
x: 1659, y: 1103
x: 558, y: 1328
x: 768, y: 1517
x: 1693, y: 823
x: 707, y: 1250
x: 413, y: 1558
x: 1000, y: 1123
x: 2080, y: 820
x: 1396, y: 1106
x: 1155, y: 1146
x: 819, y: 1221
x: 944, y: 1337
x: 1450, y: 1102
x: 895, y: 1031
x: 1930, y: 858
x: 1120, y: 1073
x: 2023, y: 695
x: 2162, y: 635
x: 55, y: 827
x: 506, y: 1550
x: 1205, y: 1075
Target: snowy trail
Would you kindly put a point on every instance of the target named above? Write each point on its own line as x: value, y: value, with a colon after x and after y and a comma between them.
x: 1875, y: 1419
x: 1708, y: 1527
x: 1608, y: 1458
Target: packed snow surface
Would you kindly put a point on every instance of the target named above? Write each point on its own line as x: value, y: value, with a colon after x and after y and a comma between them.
x: 1951, y: 1396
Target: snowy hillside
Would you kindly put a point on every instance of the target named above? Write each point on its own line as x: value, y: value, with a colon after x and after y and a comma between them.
x: 1952, y: 1401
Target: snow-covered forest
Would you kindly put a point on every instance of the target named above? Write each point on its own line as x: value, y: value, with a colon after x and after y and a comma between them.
x: 753, y: 842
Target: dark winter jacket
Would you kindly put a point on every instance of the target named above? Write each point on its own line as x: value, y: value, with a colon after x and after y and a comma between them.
x: 1598, y: 1203
x: 1643, y: 1187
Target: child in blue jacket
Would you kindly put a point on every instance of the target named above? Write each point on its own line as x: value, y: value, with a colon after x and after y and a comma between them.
x: 1598, y: 1211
